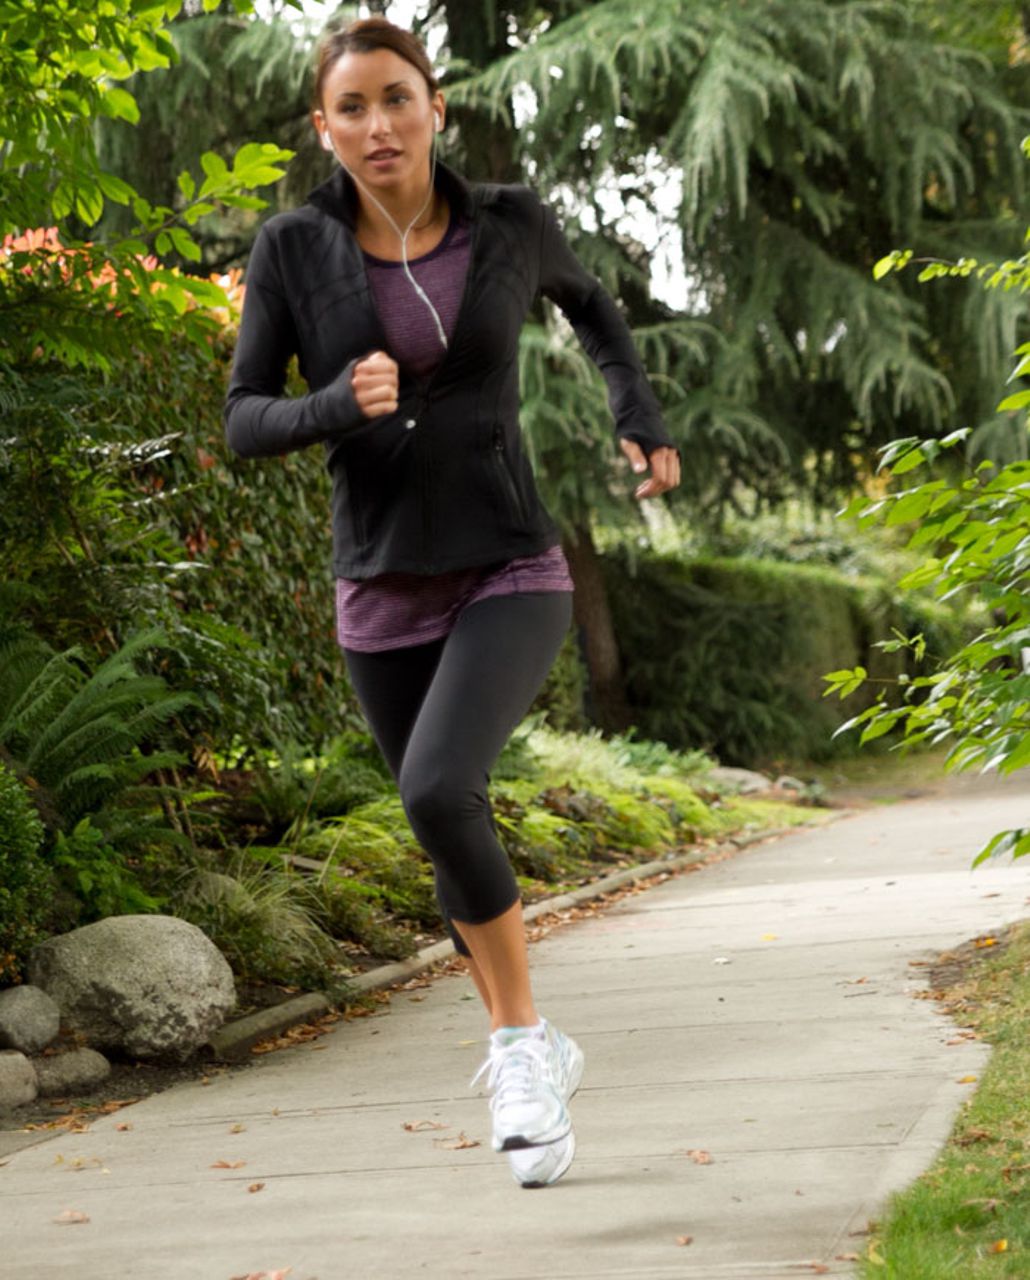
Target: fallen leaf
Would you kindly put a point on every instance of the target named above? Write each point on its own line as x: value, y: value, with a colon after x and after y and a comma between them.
x: 69, y: 1217
x: 846, y: 1257
x: 256, y: 1186
x: 123, y: 1126
x: 857, y: 982
x: 421, y: 1126
x: 238, y: 1128
x: 684, y: 1239
x: 698, y: 1156
x: 73, y: 1123
x: 227, y: 1164
x: 722, y: 960
x: 770, y: 937
x: 973, y: 1135
x: 986, y: 942
x: 988, y: 1203
x: 79, y: 1163
x: 999, y: 1246
x: 966, y: 1080
x: 456, y: 1144
x: 465, y: 1043
x: 265, y: 1275
x: 820, y: 1268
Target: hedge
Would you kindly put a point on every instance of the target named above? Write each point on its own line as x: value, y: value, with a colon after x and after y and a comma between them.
x: 727, y: 655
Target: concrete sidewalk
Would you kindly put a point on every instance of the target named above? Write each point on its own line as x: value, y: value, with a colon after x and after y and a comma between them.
x: 761, y: 1010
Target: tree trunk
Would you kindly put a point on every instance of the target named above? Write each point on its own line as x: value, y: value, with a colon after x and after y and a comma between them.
x: 607, y: 706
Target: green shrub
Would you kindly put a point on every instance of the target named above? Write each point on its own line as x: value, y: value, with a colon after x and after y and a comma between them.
x: 25, y: 888
x: 259, y: 915
x: 352, y: 911
x: 728, y: 655
x: 300, y: 785
x: 374, y: 844
x: 97, y: 876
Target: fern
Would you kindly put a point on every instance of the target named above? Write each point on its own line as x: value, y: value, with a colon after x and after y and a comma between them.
x: 78, y: 735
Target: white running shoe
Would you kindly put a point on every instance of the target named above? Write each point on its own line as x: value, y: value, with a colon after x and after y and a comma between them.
x: 526, y: 1104
x: 566, y: 1060
x: 542, y: 1166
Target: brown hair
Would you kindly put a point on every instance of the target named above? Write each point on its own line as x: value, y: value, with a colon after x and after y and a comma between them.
x: 362, y: 37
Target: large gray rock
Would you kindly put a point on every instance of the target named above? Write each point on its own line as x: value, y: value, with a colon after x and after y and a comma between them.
x: 29, y: 1019
x: 17, y: 1079
x: 76, y: 1071
x: 151, y: 986
x: 739, y: 781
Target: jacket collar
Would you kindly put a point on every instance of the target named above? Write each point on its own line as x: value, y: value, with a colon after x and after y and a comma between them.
x: 338, y: 196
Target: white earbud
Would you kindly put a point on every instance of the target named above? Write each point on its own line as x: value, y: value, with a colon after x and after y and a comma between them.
x: 327, y: 142
x: 439, y: 123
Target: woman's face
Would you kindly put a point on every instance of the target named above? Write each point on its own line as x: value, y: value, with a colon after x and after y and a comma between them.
x: 380, y: 117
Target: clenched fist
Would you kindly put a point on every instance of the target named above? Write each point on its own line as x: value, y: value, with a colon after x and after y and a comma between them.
x: 374, y: 383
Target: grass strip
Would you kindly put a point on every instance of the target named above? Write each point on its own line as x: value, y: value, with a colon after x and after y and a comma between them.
x: 969, y: 1214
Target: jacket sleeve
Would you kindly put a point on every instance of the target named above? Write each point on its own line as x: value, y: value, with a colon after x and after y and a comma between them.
x: 260, y: 421
x: 605, y: 335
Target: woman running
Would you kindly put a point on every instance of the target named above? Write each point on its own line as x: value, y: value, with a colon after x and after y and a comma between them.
x: 402, y: 287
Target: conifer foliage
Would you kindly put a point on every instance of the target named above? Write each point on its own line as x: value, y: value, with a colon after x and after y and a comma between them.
x: 806, y: 137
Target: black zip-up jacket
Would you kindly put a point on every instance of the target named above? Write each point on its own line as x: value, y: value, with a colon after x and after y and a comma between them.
x: 444, y: 482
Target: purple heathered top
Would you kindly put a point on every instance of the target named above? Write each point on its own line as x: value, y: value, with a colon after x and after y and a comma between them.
x: 395, y: 610
x: 407, y: 322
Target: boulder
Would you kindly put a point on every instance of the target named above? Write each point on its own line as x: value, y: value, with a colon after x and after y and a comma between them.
x: 76, y: 1071
x: 739, y: 781
x: 149, y: 986
x: 29, y: 1019
x: 17, y: 1079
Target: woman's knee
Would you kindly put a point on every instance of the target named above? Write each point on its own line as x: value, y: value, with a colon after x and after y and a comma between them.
x: 438, y: 800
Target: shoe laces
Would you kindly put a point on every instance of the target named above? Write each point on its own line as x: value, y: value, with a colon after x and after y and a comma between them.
x: 515, y: 1069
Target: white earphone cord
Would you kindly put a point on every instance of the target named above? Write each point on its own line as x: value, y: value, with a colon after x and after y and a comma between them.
x: 403, y: 237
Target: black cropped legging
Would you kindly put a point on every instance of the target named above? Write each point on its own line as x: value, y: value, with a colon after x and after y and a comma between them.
x: 441, y: 713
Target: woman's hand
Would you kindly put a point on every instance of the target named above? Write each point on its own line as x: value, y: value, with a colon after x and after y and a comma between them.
x: 665, y: 468
x: 374, y: 383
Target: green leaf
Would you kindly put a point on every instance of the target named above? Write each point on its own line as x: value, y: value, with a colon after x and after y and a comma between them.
x: 213, y: 165
x: 1017, y: 401
x: 114, y: 188
x: 195, y: 212
x: 62, y: 200
x: 881, y: 725
x: 186, y: 184
x: 1018, y: 756
x: 185, y: 244
x: 1001, y: 843
x: 907, y: 462
x: 89, y: 203
x: 909, y: 507
x: 120, y: 104
x: 926, y: 573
